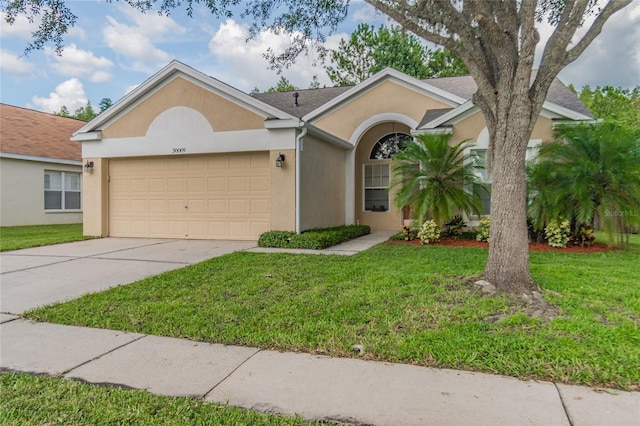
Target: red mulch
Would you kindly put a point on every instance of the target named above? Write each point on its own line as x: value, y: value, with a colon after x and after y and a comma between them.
x: 571, y: 248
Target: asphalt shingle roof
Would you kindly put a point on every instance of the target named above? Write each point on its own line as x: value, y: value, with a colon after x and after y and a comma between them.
x: 34, y: 133
x: 308, y: 99
x: 462, y: 86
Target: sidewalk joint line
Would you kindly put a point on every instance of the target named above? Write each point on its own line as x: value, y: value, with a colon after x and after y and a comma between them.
x: 229, y: 375
x: 564, y: 407
x: 101, y: 355
x: 69, y: 259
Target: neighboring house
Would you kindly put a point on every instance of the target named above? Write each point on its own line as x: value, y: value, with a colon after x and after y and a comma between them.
x: 187, y: 156
x: 40, y: 168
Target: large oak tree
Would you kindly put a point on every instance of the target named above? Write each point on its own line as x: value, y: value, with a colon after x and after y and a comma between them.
x: 495, y: 39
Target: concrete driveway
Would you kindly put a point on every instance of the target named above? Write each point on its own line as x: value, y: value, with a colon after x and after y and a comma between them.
x: 42, y: 275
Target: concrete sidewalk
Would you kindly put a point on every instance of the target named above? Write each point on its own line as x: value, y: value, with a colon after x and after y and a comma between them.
x: 315, y: 387
x: 348, y: 248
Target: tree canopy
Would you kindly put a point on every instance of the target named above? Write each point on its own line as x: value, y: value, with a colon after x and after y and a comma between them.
x: 85, y: 113
x: 613, y: 104
x: 368, y: 51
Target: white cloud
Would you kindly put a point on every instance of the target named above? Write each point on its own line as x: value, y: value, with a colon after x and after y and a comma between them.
x: 12, y: 63
x: 69, y: 93
x: 137, y: 40
x: 21, y: 28
x: 76, y: 62
x: 241, y: 62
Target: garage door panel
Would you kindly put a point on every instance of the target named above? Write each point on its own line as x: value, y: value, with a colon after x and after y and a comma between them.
x: 196, y: 206
x: 259, y: 183
x: 259, y: 207
x: 157, y: 206
x: 240, y: 207
x: 177, y: 185
x: 139, y: 227
x: 215, y: 197
x: 140, y: 206
x: 217, y: 184
x: 196, y: 184
x: 238, y: 184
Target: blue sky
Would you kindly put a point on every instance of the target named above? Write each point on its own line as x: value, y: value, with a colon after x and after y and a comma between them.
x: 113, y: 48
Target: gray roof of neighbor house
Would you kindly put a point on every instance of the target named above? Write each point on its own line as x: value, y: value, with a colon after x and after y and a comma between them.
x: 463, y: 86
x: 38, y: 134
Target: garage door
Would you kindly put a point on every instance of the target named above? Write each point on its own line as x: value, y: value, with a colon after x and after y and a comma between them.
x: 212, y: 197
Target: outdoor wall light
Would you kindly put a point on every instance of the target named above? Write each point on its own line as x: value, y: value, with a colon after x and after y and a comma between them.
x: 88, y: 167
x: 280, y: 160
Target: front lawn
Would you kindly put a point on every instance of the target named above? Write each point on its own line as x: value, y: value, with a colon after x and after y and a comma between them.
x: 39, y: 400
x: 402, y: 303
x: 19, y: 237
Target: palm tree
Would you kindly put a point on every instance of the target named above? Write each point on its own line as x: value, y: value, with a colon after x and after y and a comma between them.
x: 436, y: 179
x: 591, y: 170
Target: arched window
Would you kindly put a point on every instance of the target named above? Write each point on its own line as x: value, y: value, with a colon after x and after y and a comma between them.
x: 388, y: 146
x: 377, y: 176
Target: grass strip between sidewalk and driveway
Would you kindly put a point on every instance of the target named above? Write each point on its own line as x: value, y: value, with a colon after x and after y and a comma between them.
x: 41, y: 400
x: 20, y: 237
x: 402, y: 303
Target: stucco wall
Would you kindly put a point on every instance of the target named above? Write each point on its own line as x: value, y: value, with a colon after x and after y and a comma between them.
x: 322, y: 184
x: 95, y: 198
x: 471, y: 127
x: 22, y: 194
x: 222, y: 114
x: 391, y: 219
x: 283, y: 191
x: 388, y: 97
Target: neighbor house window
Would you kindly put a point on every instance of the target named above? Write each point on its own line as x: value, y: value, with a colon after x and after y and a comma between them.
x: 485, y: 176
x: 62, y: 190
x: 376, y: 187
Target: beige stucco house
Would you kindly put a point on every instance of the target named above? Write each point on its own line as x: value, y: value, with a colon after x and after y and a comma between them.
x: 187, y: 156
x: 40, y: 168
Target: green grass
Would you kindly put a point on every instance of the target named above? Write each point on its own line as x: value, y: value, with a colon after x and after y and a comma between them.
x: 402, y: 303
x: 19, y: 237
x: 39, y: 400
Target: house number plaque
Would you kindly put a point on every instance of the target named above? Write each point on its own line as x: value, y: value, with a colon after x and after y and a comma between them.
x: 178, y: 150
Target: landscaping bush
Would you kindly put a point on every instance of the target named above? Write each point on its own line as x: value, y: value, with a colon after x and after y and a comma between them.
x: 454, y: 227
x: 557, y: 232
x: 483, y: 229
x: 316, y: 239
x: 429, y: 232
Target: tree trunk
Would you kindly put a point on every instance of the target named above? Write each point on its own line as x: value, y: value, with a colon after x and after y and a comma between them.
x: 508, y: 263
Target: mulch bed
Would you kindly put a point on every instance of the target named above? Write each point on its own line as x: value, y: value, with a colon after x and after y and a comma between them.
x: 571, y: 248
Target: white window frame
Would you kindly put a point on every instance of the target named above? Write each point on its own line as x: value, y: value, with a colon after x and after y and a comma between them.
x: 365, y: 187
x: 63, y: 190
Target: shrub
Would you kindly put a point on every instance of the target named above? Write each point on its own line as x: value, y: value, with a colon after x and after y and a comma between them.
x: 316, y: 239
x: 557, y: 233
x: 585, y: 235
x: 483, y: 229
x: 429, y: 232
x: 409, y: 233
x: 454, y: 227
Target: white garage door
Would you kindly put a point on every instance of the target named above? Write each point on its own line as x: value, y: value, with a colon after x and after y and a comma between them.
x: 211, y: 197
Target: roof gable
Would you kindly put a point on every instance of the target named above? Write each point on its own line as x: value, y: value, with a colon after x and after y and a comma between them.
x: 388, y: 74
x: 31, y: 133
x: 173, y: 69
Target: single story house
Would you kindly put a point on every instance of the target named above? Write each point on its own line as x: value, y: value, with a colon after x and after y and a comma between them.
x: 186, y: 156
x: 40, y: 168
